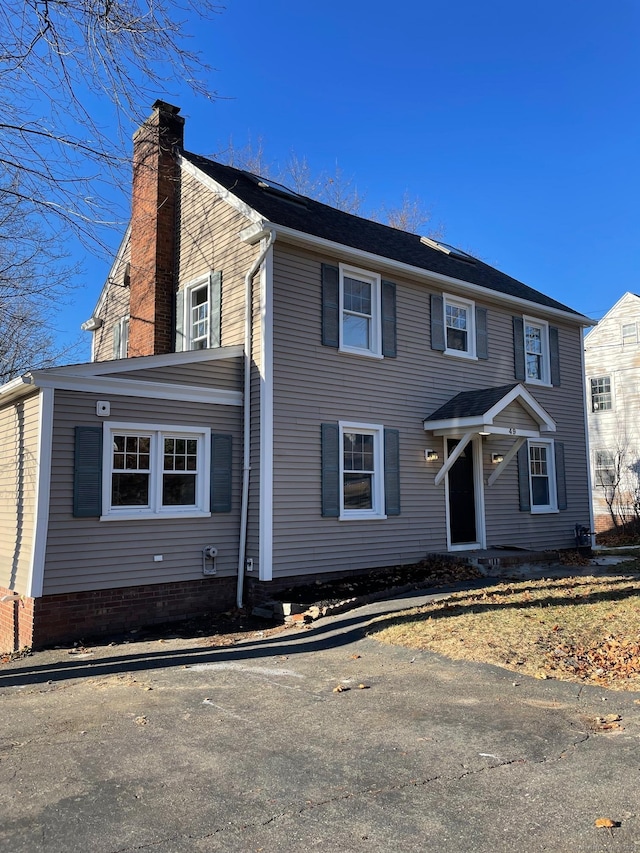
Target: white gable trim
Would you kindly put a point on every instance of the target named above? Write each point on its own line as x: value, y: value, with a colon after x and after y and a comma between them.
x: 112, y: 272
x: 484, y: 421
x: 190, y: 169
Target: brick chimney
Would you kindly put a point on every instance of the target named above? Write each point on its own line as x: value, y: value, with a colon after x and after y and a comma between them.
x: 153, y: 231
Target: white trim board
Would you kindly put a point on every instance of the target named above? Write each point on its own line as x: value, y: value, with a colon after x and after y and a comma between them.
x: 43, y: 490
x: 136, y: 388
x: 380, y: 262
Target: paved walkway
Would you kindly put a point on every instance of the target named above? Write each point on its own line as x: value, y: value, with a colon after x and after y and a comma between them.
x: 169, y: 747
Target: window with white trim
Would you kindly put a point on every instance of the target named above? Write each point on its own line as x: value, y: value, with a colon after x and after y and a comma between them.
x: 360, y: 312
x: 601, y: 394
x: 629, y: 334
x: 198, y: 319
x: 542, y: 477
x: 120, y: 335
x: 536, y: 351
x: 459, y: 325
x: 151, y: 471
x: 361, y: 471
x: 605, y: 468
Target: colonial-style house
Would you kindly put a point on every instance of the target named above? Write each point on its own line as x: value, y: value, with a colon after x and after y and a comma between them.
x: 279, y: 391
x: 612, y: 364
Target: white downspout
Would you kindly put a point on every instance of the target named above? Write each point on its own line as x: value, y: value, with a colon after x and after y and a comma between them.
x: 246, y: 464
x: 592, y: 523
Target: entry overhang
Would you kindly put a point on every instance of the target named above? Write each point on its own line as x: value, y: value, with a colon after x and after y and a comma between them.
x: 476, y: 412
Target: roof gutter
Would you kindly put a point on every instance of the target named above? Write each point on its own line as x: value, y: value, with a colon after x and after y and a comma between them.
x: 16, y: 388
x: 255, y: 232
x: 246, y: 464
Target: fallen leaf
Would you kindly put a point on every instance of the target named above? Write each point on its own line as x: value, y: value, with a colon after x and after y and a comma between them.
x: 340, y: 689
x: 141, y: 721
x: 606, y: 822
x: 355, y: 657
x: 363, y: 686
x: 541, y: 674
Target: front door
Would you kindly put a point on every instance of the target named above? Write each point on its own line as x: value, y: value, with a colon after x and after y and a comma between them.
x: 462, y: 497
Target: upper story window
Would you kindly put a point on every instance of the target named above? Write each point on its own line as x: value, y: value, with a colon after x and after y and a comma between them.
x: 629, y: 334
x: 601, y: 394
x: 459, y: 321
x: 150, y: 471
x: 121, y: 338
x: 536, y: 351
x: 198, y: 316
x: 198, y: 313
x: 360, y: 312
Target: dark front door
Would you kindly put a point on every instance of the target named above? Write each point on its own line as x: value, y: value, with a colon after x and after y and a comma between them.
x: 462, y: 497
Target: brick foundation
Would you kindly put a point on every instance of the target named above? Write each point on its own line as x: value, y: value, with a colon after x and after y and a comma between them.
x: 75, y: 616
x: 16, y: 621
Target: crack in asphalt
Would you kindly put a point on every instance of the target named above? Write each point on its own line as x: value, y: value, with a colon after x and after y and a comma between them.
x: 348, y: 795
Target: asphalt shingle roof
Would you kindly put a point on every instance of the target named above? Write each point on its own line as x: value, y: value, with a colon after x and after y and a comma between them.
x: 320, y: 220
x: 469, y: 404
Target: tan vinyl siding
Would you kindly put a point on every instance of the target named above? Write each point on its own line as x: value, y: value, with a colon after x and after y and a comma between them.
x: 515, y: 417
x: 219, y: 373
x: 209, y: 229
x: 85, y: 553
x: 18, y: 483
x: 315, y: 384
x: 114, y: 307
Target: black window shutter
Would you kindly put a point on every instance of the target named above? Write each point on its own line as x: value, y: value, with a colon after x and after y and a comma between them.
x: 215, y: 293
x: 389, y: 337
x: 221, y: 481
x: 523, y: 478
x: 561, y: 481
x: 392, y: 471
x: 437, y: 323
x: 330, y: 438
x: 554, y: 355
x: 87, y: 472
x: 180, y: 330
x: 330, y: 306
x: 518, y: 349
x: 482, y: 340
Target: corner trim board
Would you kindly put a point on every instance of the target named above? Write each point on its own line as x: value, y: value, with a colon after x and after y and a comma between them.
x: 35, y: 582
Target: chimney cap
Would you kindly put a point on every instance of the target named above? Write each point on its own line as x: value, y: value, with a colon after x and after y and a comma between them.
x: 163, y: 106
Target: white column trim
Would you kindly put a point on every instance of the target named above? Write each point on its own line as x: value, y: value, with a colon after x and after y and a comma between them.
x: 35, y: 581
x: 265, y: 551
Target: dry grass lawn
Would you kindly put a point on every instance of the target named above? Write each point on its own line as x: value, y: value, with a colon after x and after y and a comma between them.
x: 584, y: 629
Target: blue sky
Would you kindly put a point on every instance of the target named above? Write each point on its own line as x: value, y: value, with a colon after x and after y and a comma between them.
x: 518, y: 124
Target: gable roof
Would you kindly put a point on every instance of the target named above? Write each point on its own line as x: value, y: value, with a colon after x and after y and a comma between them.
x: 479, y: 409
x: 627, y: 307
x: 311, y: 217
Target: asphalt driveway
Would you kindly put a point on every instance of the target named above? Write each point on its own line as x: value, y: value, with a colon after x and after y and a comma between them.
x: 171, y: 746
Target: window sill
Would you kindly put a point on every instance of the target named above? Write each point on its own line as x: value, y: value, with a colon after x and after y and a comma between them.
x: 361, y: 352
x: 539, y: 382
x: 147, y: 515
x: 453, y: 353
x: 362, y: 516
x: 544, y: 510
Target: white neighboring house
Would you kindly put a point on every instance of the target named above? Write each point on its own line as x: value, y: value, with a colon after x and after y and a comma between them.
x: 612, y: 365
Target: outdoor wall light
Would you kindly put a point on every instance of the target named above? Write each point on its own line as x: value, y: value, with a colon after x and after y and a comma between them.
x: 431, y: 455
x: 497, y: 458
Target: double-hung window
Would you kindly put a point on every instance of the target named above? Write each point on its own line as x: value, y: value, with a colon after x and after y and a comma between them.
x: 198, y: 316
x: 601, y: 394
x: 536, y: 351
x: 360, y: 323
x: 362, y: 471
x: 120, y: 334
x: 542, y: 477
x: 605, y: 468
x: 629, y: 334
x: 459, y: 322
x: 151, y: 471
